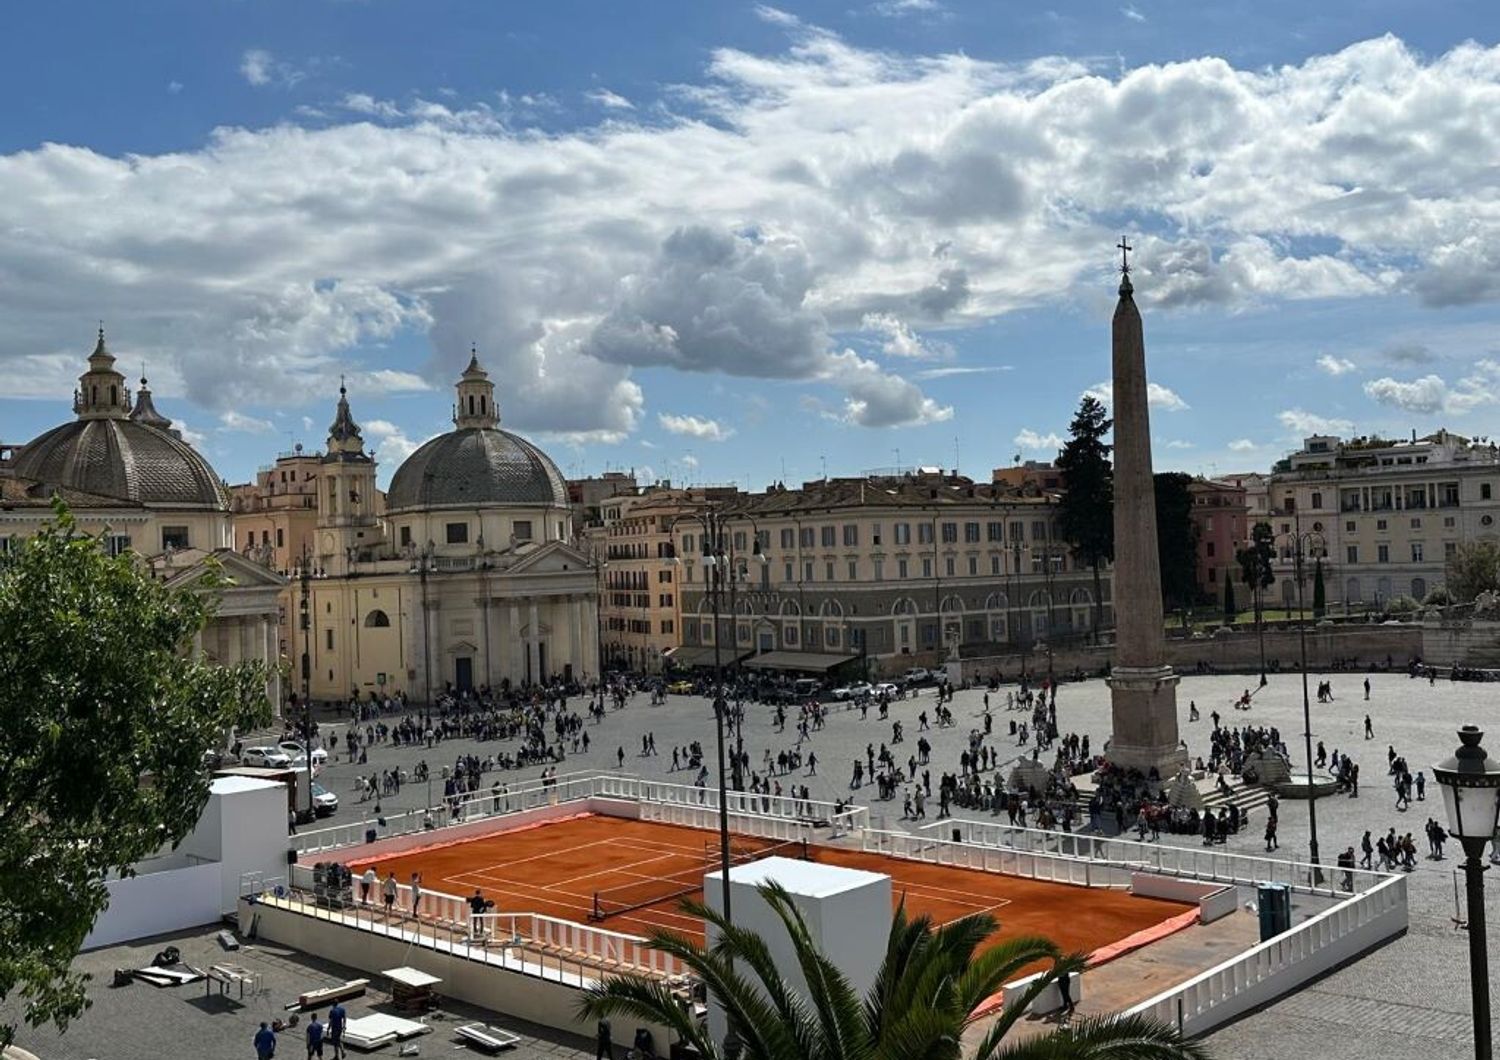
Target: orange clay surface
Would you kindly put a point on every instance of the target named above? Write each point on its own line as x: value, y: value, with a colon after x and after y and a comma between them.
x: 556, y: 868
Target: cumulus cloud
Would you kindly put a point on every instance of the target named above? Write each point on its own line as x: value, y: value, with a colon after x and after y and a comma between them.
x: 1335, y: 365
x: 1178, y: 443
x: 230, y: 420
x: 794, y: 192
x: 1431, y: 394
x: 709, y: 430
x: 390, y: 444
x: 1030, y: 439
x: 898, y: 340
x: 1242, y: 445
x: 876, y: 398
x: 1157, y: 396
x: 610, y: 100
x: 1303, y: 422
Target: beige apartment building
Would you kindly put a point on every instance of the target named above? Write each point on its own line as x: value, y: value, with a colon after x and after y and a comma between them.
x: 1384, y: 515
x: 276, y: 516
x: 896, y: 570
x: 640, y: 607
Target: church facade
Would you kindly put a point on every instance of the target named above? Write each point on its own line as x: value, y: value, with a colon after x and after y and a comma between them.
x: 128, y: 477
x: 467, y: 576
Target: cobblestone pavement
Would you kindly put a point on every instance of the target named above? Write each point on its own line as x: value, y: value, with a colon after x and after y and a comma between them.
x: 1413, y: 992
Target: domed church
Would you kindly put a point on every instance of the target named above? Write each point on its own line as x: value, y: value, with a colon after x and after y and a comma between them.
x: 125, y: 473
x: 468, y: 579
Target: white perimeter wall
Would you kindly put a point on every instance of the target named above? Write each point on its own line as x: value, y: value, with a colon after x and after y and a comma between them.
x: 157, y: 903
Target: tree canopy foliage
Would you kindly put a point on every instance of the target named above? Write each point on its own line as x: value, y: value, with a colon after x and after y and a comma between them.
x: 1474, y: 568
x: 1176, y: 538
x: 104, y: 720
x: 922, y: 1001
x: 1086, y: 510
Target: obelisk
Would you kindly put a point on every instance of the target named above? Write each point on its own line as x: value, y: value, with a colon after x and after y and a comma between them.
x: 1143, y: 688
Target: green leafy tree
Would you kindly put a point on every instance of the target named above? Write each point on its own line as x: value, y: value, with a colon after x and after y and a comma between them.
x: 1230, y: 610
x: 1255, y: 562
x: 1474, y: 568
x: 922, y: 1001
x: 1176, y: 539
x: 1320, y: 591
x: 1086, y: 511
x: 104, y: 719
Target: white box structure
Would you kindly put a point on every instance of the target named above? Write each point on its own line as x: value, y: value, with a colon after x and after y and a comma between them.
x: 848, y: 915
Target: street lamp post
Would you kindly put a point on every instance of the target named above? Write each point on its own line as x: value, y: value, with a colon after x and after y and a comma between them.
x: 1301, y: 541
x: 305, y: 581
x: 1471, y: 789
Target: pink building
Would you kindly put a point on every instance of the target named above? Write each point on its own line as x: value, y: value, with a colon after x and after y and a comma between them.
x: 1219, y: 513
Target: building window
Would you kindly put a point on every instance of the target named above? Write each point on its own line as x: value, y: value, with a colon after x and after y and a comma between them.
x: 973, y: 565
x: 950, y: 533
x: 903, y: 533
x: 788, y: 538
x: 376, y: 619
x: 901, y: 568
x: 664, y: 577
x: 995, y: 564
x: 666, y: 625
x: 880, y: 570
x: 807, y: 571
x: 995, y: 531
x: 851, y: 535
x: 328, y: 638
x: 924, y: 533
x: 948, y: 566
x: 1416, y: 552
x: 458, y: 533
x: 1448, y: 495
x: 1450, y: 549
x: 1379, y: 524
x: 828, y: 570
x: 927, y: 568
x: 1484, y: 491
x: 806, y: 537
x: 280, y: 537
x: 830, y: 536
x: 114, y: 544
x: 740, y: 541
x: 1038, y: 531
x: 1209, y: 550
x: 174, y: 537
x: 875, y: 535
x: 1317, y: 500
x: 1416, y: 524
x: 789, y: 634
x: 521, y: 529
x: 1213, y: 574
x: 854, y: 570
x: 789, y: 575
x: 1016, y: 534
x: 1351, y: 553
x: 664, y: 600
x: 405, y: 536
x: 1449, y: 522
x: 1382, y: 553
x: 971, y: 533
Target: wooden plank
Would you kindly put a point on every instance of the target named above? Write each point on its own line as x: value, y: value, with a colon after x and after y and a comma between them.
x: 328, y: 994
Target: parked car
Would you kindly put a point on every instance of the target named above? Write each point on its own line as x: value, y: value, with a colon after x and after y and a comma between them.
x: 325, y: 802
x: 680, y: 688
x: 916, y: 675
x: 886, y: 689
x: 293, y: 750
x: 265, y: 757
x: 856, y: 691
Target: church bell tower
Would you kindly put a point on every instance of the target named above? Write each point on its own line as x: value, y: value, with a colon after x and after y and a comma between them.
x: 348, y: 522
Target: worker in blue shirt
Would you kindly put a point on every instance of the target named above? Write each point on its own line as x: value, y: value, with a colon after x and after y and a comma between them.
x: 337, y: 1017
x: 265, y: 1042
x: 315, y: 1038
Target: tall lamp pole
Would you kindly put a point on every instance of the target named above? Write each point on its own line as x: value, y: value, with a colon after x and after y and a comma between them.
x: 306, y: 583
x: 1300, y: 541
x: 1471, y: 789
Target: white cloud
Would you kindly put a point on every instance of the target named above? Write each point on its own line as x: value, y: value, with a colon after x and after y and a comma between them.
x: 609, y: 100
x: 810, y: 186
x: 1180, y: 444
x: 363, y: 103
x: 260, y: 68
x: 902, y: 8
x: 1030, y: 439
x: 977, y: 369
x: 390, y: 443
x: 876, y: 398
x: 1157, y: 396
x: 197, y: 439
x: 1430, y: 394
x: 174, y: 87
x: 900, y: 340
x: 688, y: 461
x: 231, y: 420
x: 1307, y: 423
x: 694, y: 427
x: 1336, y: 365
x: 1132, y: 13
x: 1242, y: 445
x: 386, y: 381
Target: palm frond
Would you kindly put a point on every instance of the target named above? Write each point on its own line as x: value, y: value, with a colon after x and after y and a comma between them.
x: 1107, y: 1038
x: 647, y: 1000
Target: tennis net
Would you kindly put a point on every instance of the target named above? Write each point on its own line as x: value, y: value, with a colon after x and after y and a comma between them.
x: 612, y: 901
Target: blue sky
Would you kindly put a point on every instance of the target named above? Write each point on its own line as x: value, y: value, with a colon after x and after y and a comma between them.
x: 730, y: 242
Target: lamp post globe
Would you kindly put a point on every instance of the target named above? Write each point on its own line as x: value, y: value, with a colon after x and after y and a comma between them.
x: 1470, y: 781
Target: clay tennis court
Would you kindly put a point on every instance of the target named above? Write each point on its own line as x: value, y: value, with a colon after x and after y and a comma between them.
x: 557, y: 868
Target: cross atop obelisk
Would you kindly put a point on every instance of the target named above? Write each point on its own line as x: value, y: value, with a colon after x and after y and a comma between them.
x: 1143, y: 688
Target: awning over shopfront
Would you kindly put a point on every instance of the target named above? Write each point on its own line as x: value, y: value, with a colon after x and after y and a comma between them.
x: 688, y: 656
x: 803, y: 661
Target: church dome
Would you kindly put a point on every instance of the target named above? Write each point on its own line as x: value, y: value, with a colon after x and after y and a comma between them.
x: 476, y: 467
x: 124, y: 459
x: 112, y: 450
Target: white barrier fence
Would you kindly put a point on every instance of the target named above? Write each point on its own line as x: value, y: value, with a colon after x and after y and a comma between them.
x: 1283, y: 963
x: 446, y: 922
x: 1198, y: 863
x: 1026, y: 864
x: 578, y: 787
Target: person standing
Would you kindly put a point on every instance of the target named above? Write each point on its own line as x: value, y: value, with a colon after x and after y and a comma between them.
x: 338, y: 1016
x: 388, y: 892
x: 265, y: 1042
x: 1271, y: 843
x: 416, y: 893
x: 315, y: 1038
x: 367, y: 884
x: 1367, y: 695
x: 604, y: 1048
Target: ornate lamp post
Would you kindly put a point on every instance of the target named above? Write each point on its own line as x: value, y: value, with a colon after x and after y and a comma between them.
x: 1471, y: 789
x: 1301, y: 542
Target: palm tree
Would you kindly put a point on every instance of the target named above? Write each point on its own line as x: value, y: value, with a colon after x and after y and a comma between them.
x: 919, y: 1007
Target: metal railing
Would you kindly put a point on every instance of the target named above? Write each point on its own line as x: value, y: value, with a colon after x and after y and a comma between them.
x: 1041, y: 865
x: 578, y: 787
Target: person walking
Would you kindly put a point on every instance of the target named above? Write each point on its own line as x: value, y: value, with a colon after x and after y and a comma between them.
x: 337, y: 1018
x: 388, y: 893
x: 1271, y: 843
x: 1367, y: 849
x: 604, y: 1048
x: 315, y: 1038
x: 265, y: 1042
x: 367, y: 884
x: 1369, y: 725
